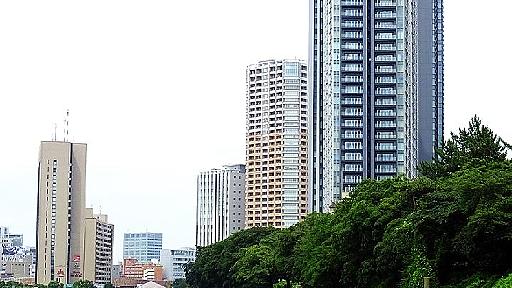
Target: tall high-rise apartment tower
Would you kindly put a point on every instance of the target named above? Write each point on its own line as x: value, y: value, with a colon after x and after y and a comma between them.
x: 376, y: 91
x: 98, y: 248
x: 276, y: 143
x: 220, y: 204
x: 60, y: 212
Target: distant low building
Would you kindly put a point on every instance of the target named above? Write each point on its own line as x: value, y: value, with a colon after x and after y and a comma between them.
x: 143, y: 271
x: 117, y: 271
x: 125, y: 282
x: 9, y: 240
x: 175, y: 261
x: 144, y: 247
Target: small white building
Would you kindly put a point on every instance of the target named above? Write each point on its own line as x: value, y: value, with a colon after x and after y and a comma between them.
x: 175, y: 260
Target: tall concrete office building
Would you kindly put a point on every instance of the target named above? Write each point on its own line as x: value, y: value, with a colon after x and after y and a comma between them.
x: 98, y: 247
x: 376, y: 92
x: 276, y: 143
x: 60, y: 212
x: 220, y: 204
x: 143, y: 247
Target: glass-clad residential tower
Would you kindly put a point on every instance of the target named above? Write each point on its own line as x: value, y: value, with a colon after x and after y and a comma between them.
x: 376, y: 92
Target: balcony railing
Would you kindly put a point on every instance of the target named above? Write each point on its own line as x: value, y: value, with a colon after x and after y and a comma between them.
x: 351, y: 3
x: 385, y: 3
x: 384, y: 15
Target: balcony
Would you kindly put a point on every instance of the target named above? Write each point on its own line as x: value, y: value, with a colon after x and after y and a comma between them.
x: 385, y: 102
x: 352, y: 68
x: 385, y: 124
x: 351, y: 3
x: 385, y: 158
x: 385, y: 69
x: 385, y: 80
x: 352, y: 101
x: 385, y: 25
x: 352, y: 35
x: 385, y: 113
x: 385, y: 58
x: 385, y: 147
x: 385, y: 47
x: 385, y: 135
x: 385, y: 36
x: 385, y: 91
x: 352, y: 57
x: 352, y: 79
x: 351, y: 113
x: 352, y: 24
x: 385, y: 15
x: 352, y: 90
x: 352, y: 46
x: 352, y: 13
x: 385, y: 3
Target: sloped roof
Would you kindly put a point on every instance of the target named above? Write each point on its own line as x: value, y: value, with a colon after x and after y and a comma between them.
x: 151, y: 285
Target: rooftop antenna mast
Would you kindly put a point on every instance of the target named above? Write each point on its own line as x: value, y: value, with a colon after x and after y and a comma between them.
x: 66, y: 126
x: 54, y: 136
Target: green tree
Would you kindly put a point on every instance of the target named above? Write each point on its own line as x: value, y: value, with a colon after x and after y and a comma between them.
x: 54, y: 284
x: 83, y: 284
x: 473, y: 146
x: 180, y: 283
x: 214, y: 263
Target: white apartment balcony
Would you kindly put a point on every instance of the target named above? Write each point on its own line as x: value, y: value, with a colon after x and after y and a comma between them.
x: 385, y: 36
x: 385, y: 25
x: 385, y: 58
x: 385, y: 3
x: 385, y: 15
x: 385, y: 47
x: 351, y: 3
x: 352, y: 101
x: 352, y: 24
x: 385, y: 147
x: 385, y: 69
x: 352, y: 13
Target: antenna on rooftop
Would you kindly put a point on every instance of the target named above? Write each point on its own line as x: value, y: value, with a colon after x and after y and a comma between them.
x: 54, y: 136
x: 66, y: 126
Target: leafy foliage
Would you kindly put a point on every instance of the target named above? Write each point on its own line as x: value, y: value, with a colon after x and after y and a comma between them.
x: 83, y: 284
x: 454, y: 226
x: 213, y: 266
x: 472, y: 147
x: 180, y: 283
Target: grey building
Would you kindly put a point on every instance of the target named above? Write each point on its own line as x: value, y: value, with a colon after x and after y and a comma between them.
x: 220, y: 204
x: 60, y: 212
x: 144, y: 247
x: 376, y: 92
x: 8, y: 239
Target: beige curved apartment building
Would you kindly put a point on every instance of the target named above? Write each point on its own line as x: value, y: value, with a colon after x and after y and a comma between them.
x: 276, y: 143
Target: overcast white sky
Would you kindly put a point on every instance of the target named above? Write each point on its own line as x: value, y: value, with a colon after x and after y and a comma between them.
x: 156, y: 90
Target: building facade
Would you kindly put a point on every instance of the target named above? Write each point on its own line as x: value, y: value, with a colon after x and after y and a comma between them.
x: 220, y: 204
x: 98, y: 245
x: 60, y: 212
x: 142, y: 271
x: 376, y: 92
x: 175, y: 260
x: 8, y: 239
x: 144, y: 247
x: 276, y: 143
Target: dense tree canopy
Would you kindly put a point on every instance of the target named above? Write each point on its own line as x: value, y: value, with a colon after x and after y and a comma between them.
x: 453, y: 225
